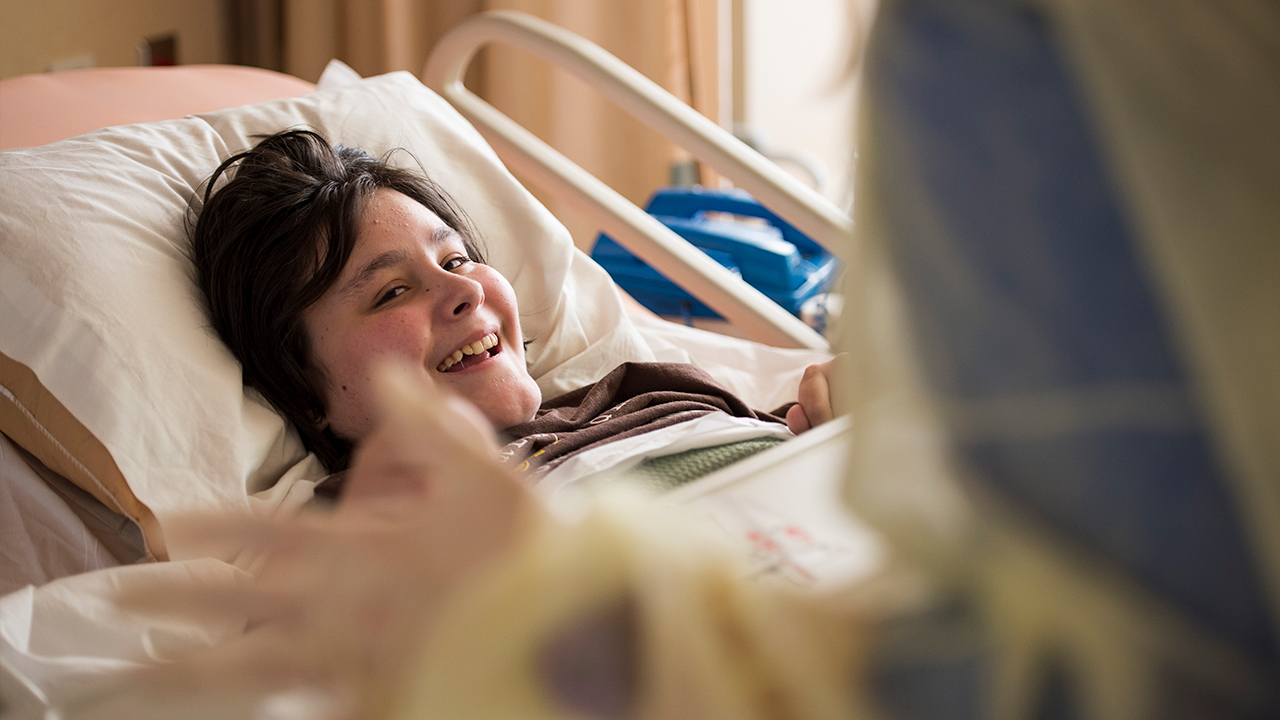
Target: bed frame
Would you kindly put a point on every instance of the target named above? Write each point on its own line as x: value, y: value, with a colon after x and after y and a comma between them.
x: 742, y: 305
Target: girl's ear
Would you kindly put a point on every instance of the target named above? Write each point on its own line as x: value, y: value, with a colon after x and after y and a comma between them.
x: 319, y: 408
x: 320, y: 420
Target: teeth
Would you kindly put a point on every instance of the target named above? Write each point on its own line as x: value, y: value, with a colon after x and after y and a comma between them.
x: 475, y: 348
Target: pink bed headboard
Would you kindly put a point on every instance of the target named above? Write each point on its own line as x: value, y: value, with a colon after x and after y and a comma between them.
x: 39, y: 109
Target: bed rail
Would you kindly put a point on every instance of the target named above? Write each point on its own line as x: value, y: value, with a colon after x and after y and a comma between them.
x: 742, y: 305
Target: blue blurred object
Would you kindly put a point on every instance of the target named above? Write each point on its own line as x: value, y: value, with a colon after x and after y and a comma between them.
x: 773, y: 257
x: 1042, y: 333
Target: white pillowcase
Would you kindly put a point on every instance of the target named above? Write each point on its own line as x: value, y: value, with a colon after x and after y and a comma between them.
x: 97, y: 299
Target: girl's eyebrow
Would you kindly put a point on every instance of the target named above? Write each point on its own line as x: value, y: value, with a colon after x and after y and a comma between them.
x: 361, y: 279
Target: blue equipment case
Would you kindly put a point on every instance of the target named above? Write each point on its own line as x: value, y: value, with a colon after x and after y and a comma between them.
x: 775, y: 258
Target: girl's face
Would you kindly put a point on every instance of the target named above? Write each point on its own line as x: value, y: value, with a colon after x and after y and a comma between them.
x: 410, y: 293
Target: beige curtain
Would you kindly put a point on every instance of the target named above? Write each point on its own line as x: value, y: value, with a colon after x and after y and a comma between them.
x: 372, y: 36
x: 673, y: 42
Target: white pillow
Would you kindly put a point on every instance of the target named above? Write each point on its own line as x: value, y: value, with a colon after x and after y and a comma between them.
x: 337, y: 74
x: 103, y: 328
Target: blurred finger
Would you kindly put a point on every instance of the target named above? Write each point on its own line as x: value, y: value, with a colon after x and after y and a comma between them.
x: 410, y: 403
x: 247, y: 603
x: 219, y: 533
x: 426, y: 444
x: 423, y: 438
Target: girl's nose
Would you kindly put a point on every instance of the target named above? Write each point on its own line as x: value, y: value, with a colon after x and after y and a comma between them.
x: 460, y: 296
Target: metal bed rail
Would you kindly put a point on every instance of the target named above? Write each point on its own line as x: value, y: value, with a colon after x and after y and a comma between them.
x: 742, y: 305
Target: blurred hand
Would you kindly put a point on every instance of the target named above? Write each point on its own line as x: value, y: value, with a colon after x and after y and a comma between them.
x: 813, y: 406
x: 343, y: 600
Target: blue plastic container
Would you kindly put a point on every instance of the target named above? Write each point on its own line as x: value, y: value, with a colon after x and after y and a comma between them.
x: 774, y: 257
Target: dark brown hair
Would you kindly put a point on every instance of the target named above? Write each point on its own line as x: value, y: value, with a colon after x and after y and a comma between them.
x: 272, y: 240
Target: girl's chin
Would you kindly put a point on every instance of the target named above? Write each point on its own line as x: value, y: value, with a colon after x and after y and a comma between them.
x: 504, y: 401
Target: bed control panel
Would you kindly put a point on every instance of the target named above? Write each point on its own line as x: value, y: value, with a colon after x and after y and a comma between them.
x: 735, y: 231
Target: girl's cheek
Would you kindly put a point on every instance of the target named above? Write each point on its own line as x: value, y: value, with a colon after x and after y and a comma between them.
x: 395, y: 337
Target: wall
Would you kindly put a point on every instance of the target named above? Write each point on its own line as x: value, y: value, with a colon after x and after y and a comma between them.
x: 35, y: 35
x: 797, y: 89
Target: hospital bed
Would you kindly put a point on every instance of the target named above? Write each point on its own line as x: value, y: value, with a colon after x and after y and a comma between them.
x: 1099, y: 549
x: 122, y: 412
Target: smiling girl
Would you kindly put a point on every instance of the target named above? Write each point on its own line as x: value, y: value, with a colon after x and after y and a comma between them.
x: 321, y: 263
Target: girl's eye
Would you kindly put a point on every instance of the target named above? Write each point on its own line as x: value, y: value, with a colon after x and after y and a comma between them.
x: 456, y: 262
x: 390, y: 294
